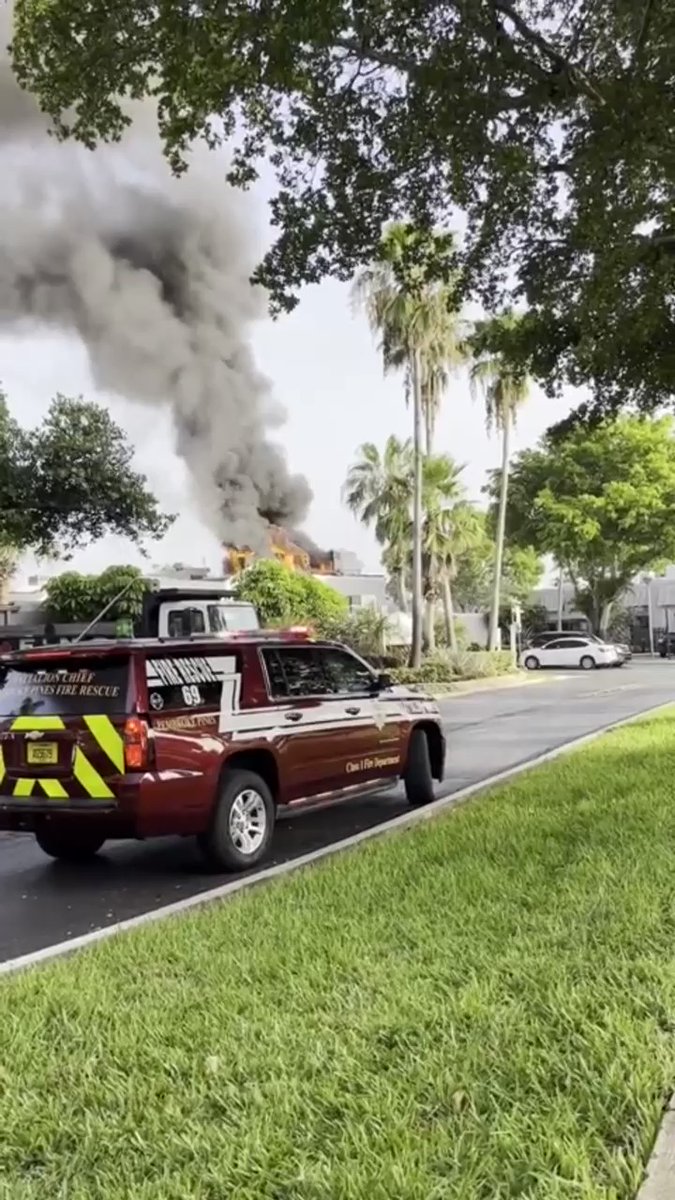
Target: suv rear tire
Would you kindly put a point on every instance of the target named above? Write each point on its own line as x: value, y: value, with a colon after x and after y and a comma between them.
x: 69, y: 843
x: 417, y: 777
x: 242, y: 824
x: 531, y: 663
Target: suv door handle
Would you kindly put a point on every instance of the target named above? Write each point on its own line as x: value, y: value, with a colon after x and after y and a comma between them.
x: 293, y: 716
x: 353, y: 710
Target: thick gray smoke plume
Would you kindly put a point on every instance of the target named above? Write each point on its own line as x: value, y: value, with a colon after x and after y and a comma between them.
x: 153, y: 273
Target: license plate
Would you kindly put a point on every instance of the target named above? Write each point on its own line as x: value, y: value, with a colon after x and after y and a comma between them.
x: 46, y: 754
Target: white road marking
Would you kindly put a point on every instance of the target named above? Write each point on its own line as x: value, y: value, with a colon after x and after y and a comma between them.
x: 223, y: 891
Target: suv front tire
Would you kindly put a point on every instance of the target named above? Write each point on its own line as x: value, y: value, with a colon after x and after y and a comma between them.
x: 242, y: 824
x: 418, y: 779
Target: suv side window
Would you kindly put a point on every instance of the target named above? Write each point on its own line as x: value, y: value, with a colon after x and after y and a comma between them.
x: 346, y: 674
x: 295, y: 671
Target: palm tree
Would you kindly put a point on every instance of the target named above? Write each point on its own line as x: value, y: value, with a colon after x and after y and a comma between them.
x: 448, y: 348
x: 378, y: 491
x: 505, y: 387
x: 460, y: 532
x: 403, y: 302
x: 441, y: 491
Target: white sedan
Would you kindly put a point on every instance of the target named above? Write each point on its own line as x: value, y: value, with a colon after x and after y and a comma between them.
x: 572, y: 652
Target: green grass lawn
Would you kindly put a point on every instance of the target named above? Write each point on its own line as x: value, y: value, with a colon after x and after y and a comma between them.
x: 477, y: 1009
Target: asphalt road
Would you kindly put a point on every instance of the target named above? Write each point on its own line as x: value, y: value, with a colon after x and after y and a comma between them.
x: 42, y: 902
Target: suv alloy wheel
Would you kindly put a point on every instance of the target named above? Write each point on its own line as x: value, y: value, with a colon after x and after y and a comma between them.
x: 242, y: 825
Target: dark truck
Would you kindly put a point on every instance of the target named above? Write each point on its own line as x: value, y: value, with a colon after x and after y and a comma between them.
x: 203, y: 608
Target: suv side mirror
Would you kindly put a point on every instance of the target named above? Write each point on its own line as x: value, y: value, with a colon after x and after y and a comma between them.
x: 382, y: 681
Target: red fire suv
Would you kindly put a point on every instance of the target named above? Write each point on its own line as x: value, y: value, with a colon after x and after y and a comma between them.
x: 201, y: 737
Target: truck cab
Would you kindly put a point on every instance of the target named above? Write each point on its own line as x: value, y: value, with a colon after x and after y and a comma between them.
x: 202, y: 608
x: 196, y: 615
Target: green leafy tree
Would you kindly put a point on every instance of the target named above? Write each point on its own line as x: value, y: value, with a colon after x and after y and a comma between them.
x: 549, y: 126
x: 72, y: 597
x: 522, y: 570
x: 505, y: 387
x: 285, y: 597
x: 600, y: 501
x: 70, y: 481
x: 405, y: 304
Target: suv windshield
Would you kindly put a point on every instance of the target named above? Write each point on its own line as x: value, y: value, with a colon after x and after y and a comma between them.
x: 71, y: 687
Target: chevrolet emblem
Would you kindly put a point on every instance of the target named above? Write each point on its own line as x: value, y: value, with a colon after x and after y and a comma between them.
x: 33, y: 734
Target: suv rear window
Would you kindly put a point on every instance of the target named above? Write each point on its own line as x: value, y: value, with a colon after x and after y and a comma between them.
x: 73, y: 687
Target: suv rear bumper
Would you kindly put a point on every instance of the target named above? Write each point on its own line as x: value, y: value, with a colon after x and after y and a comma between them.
x: 147, y: 805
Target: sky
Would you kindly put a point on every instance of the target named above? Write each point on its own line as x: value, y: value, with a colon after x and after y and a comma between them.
x: 326, y: 371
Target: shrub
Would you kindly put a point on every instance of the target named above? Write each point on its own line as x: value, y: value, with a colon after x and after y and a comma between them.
x: 466, y: 664
x: 364, y: 631
x: 461, y: 633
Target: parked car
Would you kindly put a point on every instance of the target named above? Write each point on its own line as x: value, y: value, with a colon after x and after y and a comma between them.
x: 554, y: 635
x: 545, y: 638
x: 205, y: 737
x: 585, y: 652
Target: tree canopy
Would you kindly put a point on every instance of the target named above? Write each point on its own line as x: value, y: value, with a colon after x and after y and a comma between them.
x: 285, y: 597
x: 522, y: 569
x: 70, y: 481
x: 601, y: 502
x: 548, y: 125
x: 72, y: 597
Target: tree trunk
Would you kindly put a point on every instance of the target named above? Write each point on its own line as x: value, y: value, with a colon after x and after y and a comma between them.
x: 400, y: 587
x: 417, y: 600
x: 429, y: 431
x: 449, y: 614
x: 501, y: 529
x: 431, y: 625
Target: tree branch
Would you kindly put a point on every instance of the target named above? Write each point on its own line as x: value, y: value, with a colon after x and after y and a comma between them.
x: 532, y: 37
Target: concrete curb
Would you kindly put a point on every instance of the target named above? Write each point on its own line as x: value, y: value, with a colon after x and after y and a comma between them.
x: 659, y: 1183
x: 403, y: 821
x: 493, y: 683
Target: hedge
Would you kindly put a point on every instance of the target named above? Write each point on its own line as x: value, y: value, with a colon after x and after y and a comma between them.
x: 465, y: 664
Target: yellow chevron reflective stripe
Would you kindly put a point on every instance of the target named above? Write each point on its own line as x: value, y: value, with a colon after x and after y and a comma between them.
x: 24, y: 787
x: 53, y: 789
x: 36, y: 723
x: 107, y: 739
x: 104, y: 732
x: 88, y: 776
